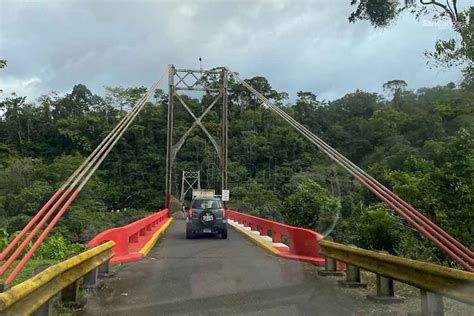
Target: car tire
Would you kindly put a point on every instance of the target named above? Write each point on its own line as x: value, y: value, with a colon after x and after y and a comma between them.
x: 189, y: 235
x: 224, y: 234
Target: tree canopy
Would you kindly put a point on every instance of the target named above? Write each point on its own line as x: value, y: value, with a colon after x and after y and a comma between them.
x: 452, y: 52
x: 418, y: 143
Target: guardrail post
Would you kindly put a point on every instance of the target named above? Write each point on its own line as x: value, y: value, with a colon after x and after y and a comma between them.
x: 263, y: 231
x: 385, y: 291
x: 104, y: 269
x: 330, y: 268
x: 90, y: 280
x: 47, y: 308
x: 70, y: 294
x: 352, y: 278
x: 431, y: 304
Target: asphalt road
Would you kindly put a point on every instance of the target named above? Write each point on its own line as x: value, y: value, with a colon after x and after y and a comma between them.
x: 213, y: 276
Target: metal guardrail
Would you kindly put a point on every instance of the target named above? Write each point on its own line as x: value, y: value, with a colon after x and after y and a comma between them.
x: 452, y: 283
x: 27, y: 297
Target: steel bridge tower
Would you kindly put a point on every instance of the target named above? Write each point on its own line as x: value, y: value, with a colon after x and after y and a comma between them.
x: 214, y: 82
x: 188, y: 180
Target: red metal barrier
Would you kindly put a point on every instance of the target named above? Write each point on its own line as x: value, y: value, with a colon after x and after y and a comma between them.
x: 303, y: 244
x: 130, y: 239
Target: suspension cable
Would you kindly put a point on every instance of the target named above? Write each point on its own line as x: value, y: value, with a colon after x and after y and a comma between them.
x: 62, y: 189
x: 402, y: 208
x: 467, y: 254
x: 81, y: 176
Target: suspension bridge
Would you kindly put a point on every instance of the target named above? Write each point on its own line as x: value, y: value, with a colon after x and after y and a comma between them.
x: 177, y: 275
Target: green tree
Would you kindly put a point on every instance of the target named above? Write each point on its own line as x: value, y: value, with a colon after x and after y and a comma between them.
x: 378, y: 229
x: 395, y: 87
x: 312, y: 206
x: 380, y: 13
x: 3, y: 64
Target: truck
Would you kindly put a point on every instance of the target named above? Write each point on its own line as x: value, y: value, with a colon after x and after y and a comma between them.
x: 203, y: 193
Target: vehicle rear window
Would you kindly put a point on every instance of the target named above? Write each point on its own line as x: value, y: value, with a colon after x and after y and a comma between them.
x: 207, y: 203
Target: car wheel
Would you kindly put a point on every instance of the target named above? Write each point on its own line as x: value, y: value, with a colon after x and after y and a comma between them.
x: 189, y: 235
x: 224, y: 234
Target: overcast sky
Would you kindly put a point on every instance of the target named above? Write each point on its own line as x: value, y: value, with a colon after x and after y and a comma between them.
x: 297, y: 45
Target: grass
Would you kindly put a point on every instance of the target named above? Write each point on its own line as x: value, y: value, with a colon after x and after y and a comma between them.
x: 27, y: 271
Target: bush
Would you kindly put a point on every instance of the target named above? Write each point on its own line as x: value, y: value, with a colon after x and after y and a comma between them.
x: 378, y: 229
x: 57, y: 247
x: 54, y: 247
x: 312, y: 206
x: 3, y: 238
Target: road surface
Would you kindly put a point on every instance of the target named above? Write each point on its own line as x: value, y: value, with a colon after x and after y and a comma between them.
x: 214, y: 276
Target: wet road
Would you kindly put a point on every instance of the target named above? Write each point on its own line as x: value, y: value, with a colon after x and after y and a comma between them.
x: 214, y: 276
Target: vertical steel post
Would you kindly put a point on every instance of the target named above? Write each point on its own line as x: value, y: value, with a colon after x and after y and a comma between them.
x: 225, y: 113
x: 199, y: 180
x: 181, y: 199
x: 169, y: 137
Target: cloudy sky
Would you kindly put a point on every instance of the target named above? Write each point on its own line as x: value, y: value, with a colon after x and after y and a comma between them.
x: 297, y: 45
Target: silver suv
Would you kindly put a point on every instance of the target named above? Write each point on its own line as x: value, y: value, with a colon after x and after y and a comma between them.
x: 207, y: 216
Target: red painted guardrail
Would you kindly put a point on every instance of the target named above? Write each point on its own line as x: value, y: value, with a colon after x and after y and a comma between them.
x: 130, y: 239
x: 303, y: 244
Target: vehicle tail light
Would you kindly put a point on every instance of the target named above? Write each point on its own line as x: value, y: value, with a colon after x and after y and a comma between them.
x: 190, y: 212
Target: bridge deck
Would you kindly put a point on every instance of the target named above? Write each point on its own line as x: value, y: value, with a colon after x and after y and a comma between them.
x: 207, y: 275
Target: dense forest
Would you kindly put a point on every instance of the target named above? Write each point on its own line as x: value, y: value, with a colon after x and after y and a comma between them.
x: 417, y: 143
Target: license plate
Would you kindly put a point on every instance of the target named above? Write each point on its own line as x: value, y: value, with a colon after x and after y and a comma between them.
x: 206, y: 230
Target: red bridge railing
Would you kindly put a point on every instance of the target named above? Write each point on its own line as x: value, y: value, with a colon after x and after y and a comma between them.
x: 130, y: 239
x: 303, y: 244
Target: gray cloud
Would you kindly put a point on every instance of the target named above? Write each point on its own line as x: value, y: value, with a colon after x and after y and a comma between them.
x: 297, y: 45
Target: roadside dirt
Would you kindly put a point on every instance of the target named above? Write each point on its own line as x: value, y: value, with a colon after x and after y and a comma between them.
x: 411, y: 297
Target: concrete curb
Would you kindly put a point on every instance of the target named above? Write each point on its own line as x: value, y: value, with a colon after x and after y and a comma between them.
x: 261, y: 241
x: 146, y: 249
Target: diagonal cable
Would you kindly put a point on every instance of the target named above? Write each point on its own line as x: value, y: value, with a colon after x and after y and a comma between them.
x: 81, y: 176
x: 429, y: 229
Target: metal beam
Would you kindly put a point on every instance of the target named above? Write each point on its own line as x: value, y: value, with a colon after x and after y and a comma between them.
x: 224, y: 131
x: 169, y: 137
x: 180, y: 143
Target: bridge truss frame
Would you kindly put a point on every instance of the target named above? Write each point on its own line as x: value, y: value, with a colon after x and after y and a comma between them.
x: 188, y: 180
x: 179, y: 80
